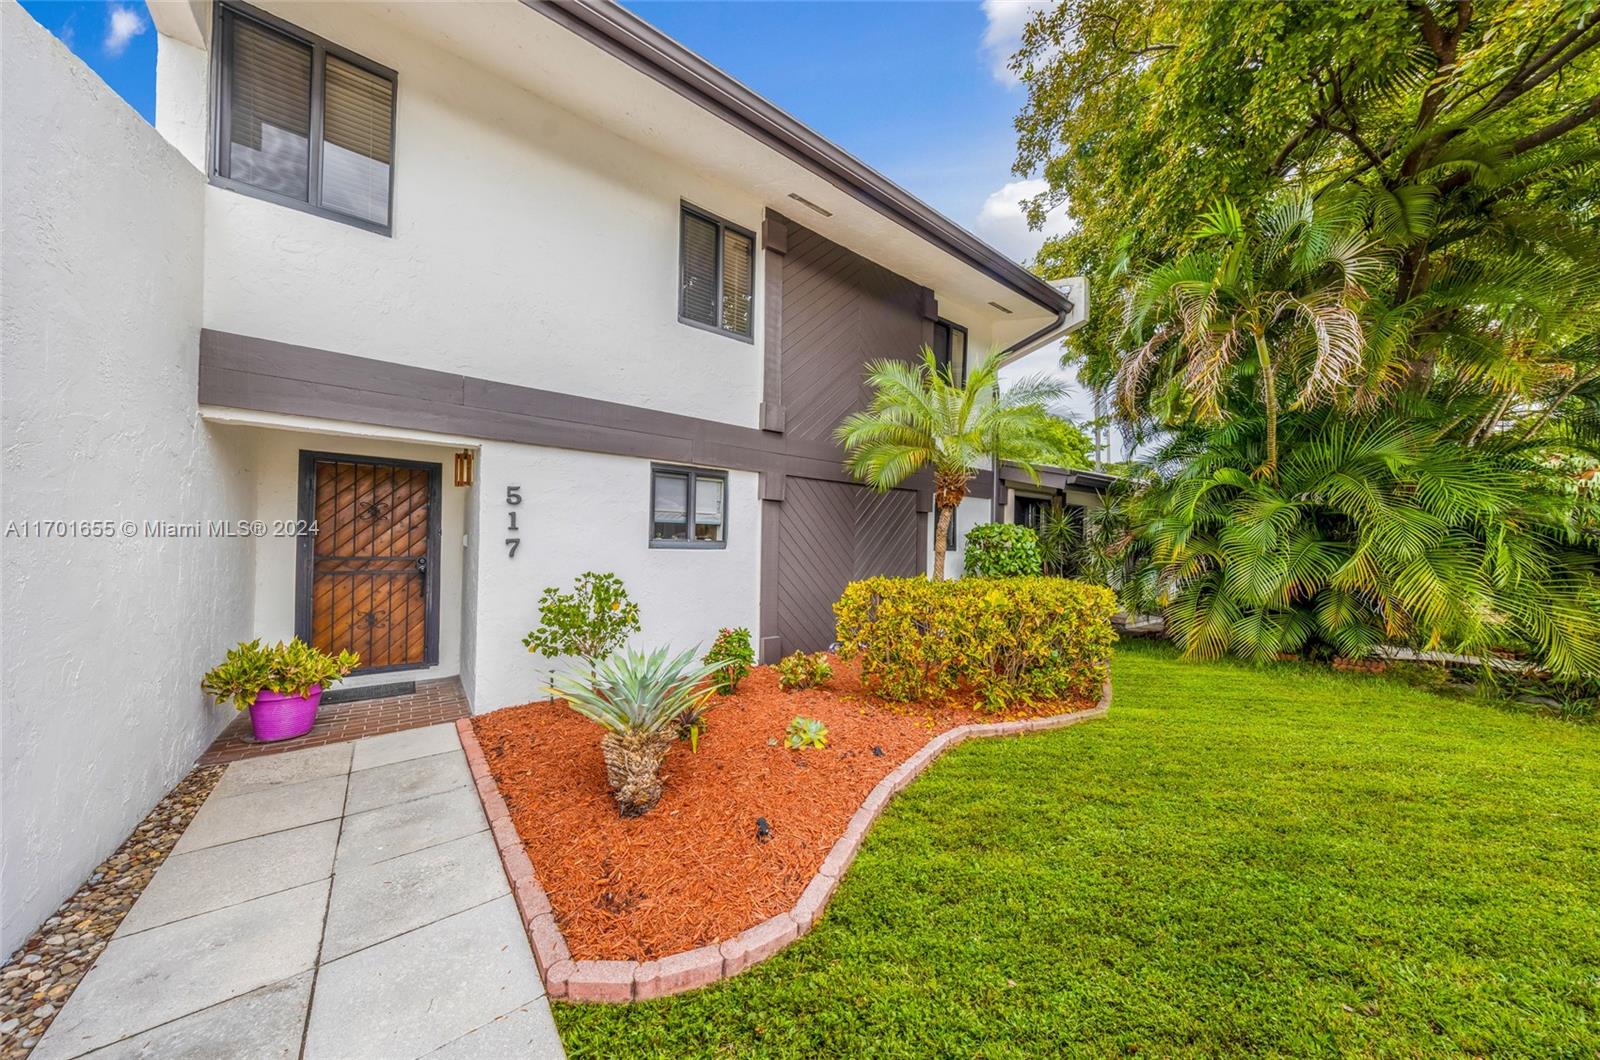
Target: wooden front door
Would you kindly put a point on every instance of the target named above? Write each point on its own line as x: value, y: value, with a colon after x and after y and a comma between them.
x: 369, y: 574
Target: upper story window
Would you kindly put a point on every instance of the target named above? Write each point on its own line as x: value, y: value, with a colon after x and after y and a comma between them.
x: 301, y: 121
x: 716, y: 275
x: 950, y: 349
x: 688, y: 507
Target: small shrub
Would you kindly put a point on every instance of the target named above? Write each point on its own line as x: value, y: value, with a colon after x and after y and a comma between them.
x: 804, y: 671
x: 1004, y: 639
x: 692, y: 725
x: 806, y: 732
x: 1002, y: 550
x: 590, y: 622
x: 290, y: 669
x: 734, y: 656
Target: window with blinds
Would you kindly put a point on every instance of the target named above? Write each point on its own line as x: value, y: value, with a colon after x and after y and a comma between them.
x: 716, y: 282
x: 688, y: 507
x: 302, y: 122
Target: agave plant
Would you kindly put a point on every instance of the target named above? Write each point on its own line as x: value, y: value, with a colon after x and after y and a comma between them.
x: 638, y: 699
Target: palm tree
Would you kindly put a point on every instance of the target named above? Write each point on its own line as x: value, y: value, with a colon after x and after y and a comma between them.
x: 919, y: 417
x: 1376, y: 529
x: 1289, y: 290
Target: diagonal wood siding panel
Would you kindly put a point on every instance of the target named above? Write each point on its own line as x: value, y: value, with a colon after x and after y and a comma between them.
x: 840, y: 310
x: 886, y: 537
x: 833, y: 533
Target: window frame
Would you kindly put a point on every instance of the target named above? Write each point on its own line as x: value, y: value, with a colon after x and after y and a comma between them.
x: 722, y: 224
x: 694, y: 474
x: 966, y: 344
x: 1048, y: 504
x: 321, y: 48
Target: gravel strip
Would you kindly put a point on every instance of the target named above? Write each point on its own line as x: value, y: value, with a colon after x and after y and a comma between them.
x: 37, y: 980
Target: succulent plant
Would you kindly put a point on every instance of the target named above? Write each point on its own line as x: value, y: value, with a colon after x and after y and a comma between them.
x: 806, y: 732
x: 638, y: 699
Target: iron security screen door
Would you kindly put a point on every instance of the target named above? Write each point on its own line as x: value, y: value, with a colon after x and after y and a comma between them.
x: 369, y: 575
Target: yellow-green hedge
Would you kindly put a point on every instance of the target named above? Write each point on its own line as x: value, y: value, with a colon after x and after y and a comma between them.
x: 1003, y: 639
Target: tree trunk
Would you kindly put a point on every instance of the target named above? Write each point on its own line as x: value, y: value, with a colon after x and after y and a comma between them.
x: 633, y: 761
x: 949, y: 487
x: 941, y: 531
x: 1269, y: 386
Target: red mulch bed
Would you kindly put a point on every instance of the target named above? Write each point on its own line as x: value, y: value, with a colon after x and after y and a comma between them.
x: 691, y: 871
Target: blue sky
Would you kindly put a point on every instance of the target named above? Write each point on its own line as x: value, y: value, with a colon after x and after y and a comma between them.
x: 116, y: 40
x: 915, y: 88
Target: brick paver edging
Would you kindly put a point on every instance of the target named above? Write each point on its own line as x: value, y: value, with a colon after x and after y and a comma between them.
x: 642, y: 980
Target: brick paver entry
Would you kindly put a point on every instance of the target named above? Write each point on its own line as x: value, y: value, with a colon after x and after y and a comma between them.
x: 432, y: 703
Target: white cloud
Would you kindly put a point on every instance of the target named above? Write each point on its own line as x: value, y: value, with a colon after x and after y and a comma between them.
x: 123, y: 24
x: 1003, y: 34
x: 1002, y: 222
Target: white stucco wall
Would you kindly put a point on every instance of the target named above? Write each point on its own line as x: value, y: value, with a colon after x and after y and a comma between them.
x: 971, y: 512
x: 586, y: 511
x: 180, y: 112
x: 530, y: 246
x: 275, y: 467
x: 103, y: 641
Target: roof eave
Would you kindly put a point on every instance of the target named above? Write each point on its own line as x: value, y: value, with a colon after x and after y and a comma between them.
x: 653, y: 53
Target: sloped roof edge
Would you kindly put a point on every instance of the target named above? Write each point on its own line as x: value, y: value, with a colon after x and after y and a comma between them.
x: 633, y: 40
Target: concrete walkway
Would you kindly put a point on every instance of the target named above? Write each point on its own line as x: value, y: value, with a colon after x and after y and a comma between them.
x: 339, y: 902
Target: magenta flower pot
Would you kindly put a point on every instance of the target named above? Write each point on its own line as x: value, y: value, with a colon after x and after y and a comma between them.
x: 276, y: 716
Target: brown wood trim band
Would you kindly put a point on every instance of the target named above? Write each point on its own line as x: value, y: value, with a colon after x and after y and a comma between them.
x: 241, y: 371
x: 775, y: 241
x: 623, y: 981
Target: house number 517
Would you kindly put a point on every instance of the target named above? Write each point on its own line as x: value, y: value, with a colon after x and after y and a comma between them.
x: 513, y: 498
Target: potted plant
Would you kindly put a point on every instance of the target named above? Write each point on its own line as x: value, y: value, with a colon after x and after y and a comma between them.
x: 280, y: 686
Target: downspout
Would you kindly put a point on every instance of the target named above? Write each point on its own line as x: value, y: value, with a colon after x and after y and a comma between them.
x: 1044, y: 334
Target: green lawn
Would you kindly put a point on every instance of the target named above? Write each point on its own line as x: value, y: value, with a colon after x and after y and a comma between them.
x: 1235, y: 861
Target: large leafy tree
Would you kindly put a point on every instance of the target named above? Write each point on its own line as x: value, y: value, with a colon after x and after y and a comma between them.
x: 920, y: 418
x: 1423, y: 490
x: 1286, y: 294
x: 1466, y: 129
x: 1069, y: 446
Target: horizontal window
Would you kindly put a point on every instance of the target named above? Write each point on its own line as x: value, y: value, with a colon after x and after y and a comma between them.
x: 688, y: 508
x: 716, y: 274
x: 302, y: 122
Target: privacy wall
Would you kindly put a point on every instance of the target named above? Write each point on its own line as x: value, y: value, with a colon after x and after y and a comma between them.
x: 106, y: 632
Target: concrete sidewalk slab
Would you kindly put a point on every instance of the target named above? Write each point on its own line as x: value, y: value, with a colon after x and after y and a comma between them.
x: 291, y: 767
x: 410, y: 995
x: 265, y: 1024
x: 529, y: 1033
x: 390, y: 831
x: 377, y: 751
x: 286, y: 915
x: 156, y: 976
x: 220, y: 876
x: 371, y: 903
x: 272, y: 809
x: 404, y: 781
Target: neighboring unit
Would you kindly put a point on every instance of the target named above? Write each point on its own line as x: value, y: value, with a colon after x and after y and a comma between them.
x: 488, y: 295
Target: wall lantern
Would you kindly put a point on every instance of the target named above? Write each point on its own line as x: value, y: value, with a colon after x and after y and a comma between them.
x: 464, y: 468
